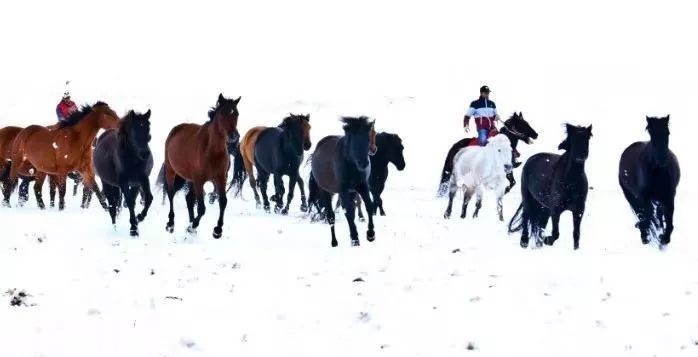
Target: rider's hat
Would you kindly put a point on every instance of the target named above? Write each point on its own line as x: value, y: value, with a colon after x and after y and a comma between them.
x: 484, y: 89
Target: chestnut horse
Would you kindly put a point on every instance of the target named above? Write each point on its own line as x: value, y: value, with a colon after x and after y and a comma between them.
x: 277, y: 151
x: 195, y: 154
x: 39, y: 151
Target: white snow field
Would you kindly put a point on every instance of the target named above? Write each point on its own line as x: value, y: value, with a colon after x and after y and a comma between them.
x: 273, y: 286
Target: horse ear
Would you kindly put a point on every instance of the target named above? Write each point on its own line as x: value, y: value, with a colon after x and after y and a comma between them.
x: 589, y: 129
x: 564, y: 145
x: 236, y: 101
x: 220, y: 97
x: 147, y: 114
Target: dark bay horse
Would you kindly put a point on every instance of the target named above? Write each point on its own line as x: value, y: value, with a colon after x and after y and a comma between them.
x: 552, y: 184
x: 39, y: 151
x: 277, y: 151
x: 515, y: 128
x: 649, y: 174
x: 340, y: 164
x: 123, y: 162
x: 195, y: 154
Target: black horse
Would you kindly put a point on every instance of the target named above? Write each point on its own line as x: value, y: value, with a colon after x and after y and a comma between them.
x: 648, y: 174
x: 340, y: 164
x: 552, y: 184
x: 389, y: 151
x: 278, y: 151
x: 123, y: 161
x: 515, y: 128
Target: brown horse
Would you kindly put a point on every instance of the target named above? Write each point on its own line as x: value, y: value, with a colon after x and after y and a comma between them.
x: 39, y: 151
x: 195, y: 154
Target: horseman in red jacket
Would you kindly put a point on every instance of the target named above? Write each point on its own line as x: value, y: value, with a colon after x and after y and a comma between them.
x: 66, y: 107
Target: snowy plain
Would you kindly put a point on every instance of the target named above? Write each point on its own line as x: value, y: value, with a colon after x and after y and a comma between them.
x: 430, y: 287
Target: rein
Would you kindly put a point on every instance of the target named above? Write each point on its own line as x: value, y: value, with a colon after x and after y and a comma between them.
x: 514, y: 132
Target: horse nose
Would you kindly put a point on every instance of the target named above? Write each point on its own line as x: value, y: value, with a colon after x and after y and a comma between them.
x: 307, y: 145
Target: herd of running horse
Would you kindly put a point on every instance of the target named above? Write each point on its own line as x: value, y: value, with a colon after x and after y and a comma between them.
x: 354, y: 166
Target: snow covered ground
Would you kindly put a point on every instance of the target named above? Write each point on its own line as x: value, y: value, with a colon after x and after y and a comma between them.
x: 428, y: 287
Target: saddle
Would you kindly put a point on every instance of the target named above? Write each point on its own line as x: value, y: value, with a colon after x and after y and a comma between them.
x: 492, y: 133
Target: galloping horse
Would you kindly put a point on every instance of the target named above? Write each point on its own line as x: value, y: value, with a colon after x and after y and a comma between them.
x: 195, y: 154
x: 38, y: 151
x: 123, y: 161
x: 515, y: 128
x: 477, y: 168
x: 340, y: 164
x: 552, y: 184
x: 277, y: 151
x: 648, y: 174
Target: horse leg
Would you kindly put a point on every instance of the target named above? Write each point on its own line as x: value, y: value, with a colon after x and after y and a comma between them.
x: 89, y: 182
x: 452, y: 189
x: 376, y: 192
x: 301, y: 184
x: 669, y: 218
x: 263, y: 181
x: 112, y: 199
x: 219, y: 184
x: 365, y: 193
x: 478, y: 201
x: 280, y: 190
x: 292, y: 179
x: 38, y: 188
x: 173, y: 183
x: 349, y: 212
x: 190, y: 199
x: 200, y: 204
x: 23, y: 192
x: 76, y: 180
x: 52, y: 190
x: 577, y: 222
x: 467, y: 196
x: 500, y: 206
x: 147, y: 197
x: 61, y: 191
x: 512, y: 182
x: 357, y: 203
x: 325, y: 201
x: 556, y: 229
x: 130, y: 194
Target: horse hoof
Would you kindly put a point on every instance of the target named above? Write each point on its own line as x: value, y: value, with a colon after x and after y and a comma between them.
x: 42, y: 207
x: 447, y: 215
x: 134, y: 232
x: 382, y: 214
x: 524, y: 244
x: 191, y: 229
x: 217, y: 232
x: 140, y: 217
x: 362, y: 219
x: 334, y: 244
x: 370, y: 236
x: 645, y: 240
x: 284, y: 211
x: 277, y: 209
x: 170, y: 228
x: 355, y: 243
x: 304, y: 207
x: 548, y: 241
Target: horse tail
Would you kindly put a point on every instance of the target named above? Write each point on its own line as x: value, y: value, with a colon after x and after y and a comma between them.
x: 239, y: 172
x: 447, y: 170
x: 160, y: 183
x: 313, y: 191
x: 517, y: 222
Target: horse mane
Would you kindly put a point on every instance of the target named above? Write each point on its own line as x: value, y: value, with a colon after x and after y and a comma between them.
x: 78, y: 116
x: 125, y: 123
x: 353, y: 123
x: 291, y: 117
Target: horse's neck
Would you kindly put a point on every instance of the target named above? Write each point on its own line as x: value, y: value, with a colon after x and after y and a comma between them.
x: 287, y: 144
x: 215, y: 136
x: 86, y: 130
x: 570, y: 167
x: 513, y: 138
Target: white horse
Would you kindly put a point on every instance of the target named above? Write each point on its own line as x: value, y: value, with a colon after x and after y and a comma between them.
x: 476, y: 168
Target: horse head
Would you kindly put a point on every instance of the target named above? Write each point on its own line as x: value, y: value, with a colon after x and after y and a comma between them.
x: 297, y: 132
x: 106, y: 117
x: 500, y: 146
x: 521, y: 128
x: 577, y: 142
x: 359, y: 140
x: 658, y: 129
x: 134, y: 130
x: 225, y: 114
x: 392, y: 149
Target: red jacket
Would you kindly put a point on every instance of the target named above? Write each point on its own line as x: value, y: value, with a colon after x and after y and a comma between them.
x: 65, y: 108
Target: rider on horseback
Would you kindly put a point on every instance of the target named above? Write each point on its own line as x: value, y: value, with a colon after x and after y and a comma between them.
x: 65, y: 107
x: 484, y: 111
